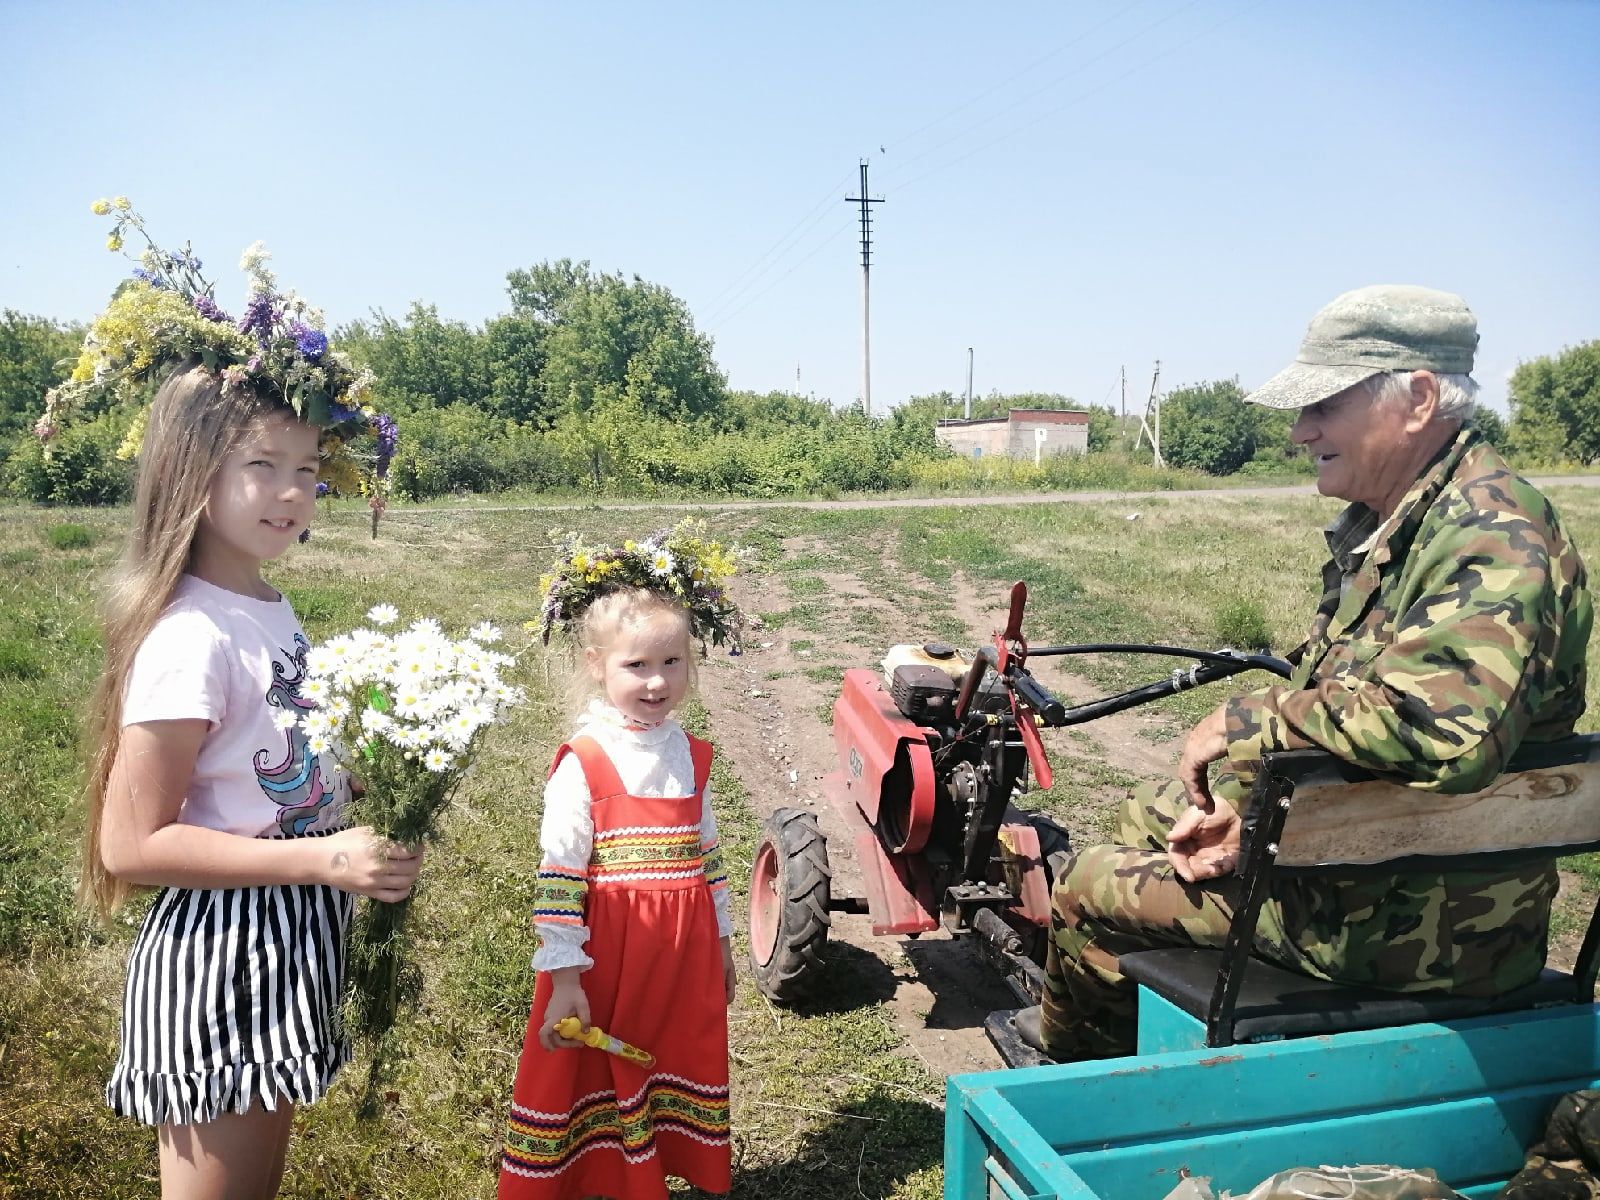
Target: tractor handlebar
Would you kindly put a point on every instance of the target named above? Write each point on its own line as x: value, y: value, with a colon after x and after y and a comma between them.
x: 1208, y: 667
x: 1035, y: 695
x: 1212, y: 667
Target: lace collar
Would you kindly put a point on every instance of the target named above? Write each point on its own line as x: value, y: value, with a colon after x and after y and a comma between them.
x: 608, y: 717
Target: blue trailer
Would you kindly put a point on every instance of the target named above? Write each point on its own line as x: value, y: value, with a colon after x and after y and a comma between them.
x: 1463, y: 1098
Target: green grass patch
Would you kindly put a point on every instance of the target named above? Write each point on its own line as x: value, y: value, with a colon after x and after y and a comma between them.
x: 19, y: 660
x: 1242, y: 624
x: 70, y: 536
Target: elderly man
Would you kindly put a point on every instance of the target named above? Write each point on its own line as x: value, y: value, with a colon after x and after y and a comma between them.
x: 1453, y: 625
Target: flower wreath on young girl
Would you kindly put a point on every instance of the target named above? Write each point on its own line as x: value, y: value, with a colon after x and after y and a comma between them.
x: 680, y: 563
x: 167, y: 314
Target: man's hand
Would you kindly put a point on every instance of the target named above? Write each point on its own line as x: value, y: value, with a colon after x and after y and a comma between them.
x: 1204, y: 844
x: 1207, y: 742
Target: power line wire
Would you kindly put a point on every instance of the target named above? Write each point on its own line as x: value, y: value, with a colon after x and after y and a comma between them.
x: 1012, y: 78
x: 727, y: 302
x: 1039, y: 91
x: 1137, y: 67
x: 736, y: 299
x: 820, y: 208
x: 826, y: 242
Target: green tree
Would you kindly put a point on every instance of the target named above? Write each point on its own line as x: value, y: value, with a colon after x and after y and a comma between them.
x: 1555, y: 407
x: 421, y: 361
x: 772, y: 411
x: 515, y: 345
x: 35, y: 354
x: 543, y: 291
x: 1490, y: 424
x: 608, y: 436
x: 613, y: 336
x: 1209, y: 427
x: 1105, y: 430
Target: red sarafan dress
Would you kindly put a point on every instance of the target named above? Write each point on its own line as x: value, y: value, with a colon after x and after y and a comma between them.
x: 588, y: 1123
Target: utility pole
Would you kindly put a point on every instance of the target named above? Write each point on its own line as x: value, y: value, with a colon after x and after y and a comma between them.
x: 866, y: 288
x: 1150, y: 422
x: 1124, y: 393
x: 969, y: 383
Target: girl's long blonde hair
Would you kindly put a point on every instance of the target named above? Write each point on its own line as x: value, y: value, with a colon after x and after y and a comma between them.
x: 194, y: 424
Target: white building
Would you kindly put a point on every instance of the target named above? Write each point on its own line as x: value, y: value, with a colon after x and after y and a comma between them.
x: 1021, y: 433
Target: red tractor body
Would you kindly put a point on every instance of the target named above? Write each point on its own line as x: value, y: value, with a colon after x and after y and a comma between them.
x: 932, y: 752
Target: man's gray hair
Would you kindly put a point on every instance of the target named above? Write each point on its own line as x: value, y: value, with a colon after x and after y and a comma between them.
x: 1458, y: 394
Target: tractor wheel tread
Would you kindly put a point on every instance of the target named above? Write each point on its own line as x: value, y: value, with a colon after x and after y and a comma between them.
x: 804, y: 887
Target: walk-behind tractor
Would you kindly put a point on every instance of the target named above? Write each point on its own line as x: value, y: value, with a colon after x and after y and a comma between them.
x: 932, y: 751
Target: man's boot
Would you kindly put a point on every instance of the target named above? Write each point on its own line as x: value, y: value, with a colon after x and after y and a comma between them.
x: 1028, y: 1023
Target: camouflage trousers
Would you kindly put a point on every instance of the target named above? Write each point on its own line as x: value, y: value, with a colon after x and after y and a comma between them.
x: 1115, y: 899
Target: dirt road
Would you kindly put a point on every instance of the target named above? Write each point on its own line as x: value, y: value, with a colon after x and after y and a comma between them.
x: 1302, y: 489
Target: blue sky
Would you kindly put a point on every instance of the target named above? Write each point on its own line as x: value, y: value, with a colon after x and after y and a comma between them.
x: 1069, y: 188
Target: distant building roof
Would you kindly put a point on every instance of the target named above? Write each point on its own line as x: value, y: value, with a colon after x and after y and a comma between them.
x: 1047, y: 416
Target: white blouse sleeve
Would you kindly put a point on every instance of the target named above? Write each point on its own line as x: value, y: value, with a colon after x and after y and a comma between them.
x: 566, y: 839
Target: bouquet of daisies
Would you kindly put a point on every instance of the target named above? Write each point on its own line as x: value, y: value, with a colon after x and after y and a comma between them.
x: 405, y: 713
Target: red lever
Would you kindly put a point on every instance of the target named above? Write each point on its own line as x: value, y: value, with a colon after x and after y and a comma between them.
x: 1011, y: 644
x: 1019, y: 601
x: 1042, y: 773
x: 1013, y: 647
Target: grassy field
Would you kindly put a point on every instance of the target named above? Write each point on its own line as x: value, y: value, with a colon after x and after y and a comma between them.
x: 826, y: 1105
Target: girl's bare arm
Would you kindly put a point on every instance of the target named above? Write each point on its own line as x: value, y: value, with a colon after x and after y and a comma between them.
x: 142, y: 841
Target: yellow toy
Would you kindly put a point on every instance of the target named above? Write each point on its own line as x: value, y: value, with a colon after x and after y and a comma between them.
x: 572, y: 1029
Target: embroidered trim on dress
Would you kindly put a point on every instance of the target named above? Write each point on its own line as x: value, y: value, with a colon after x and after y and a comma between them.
x: 560, y: 895
x: 539, y: 1145
x: 646, y: 854
x: 716, y: 873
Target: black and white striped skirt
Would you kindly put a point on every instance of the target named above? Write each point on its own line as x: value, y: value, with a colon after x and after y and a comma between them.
x: 232, y: 1000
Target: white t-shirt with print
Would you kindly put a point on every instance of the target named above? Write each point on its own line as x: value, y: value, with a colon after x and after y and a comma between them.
x: 237, y: 662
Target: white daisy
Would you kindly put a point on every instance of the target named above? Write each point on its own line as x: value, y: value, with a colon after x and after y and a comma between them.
x: 285, y: 718
x: 486, y: 633
x: 374, y: 721
x: 383, y: 614
x: 436, y: 760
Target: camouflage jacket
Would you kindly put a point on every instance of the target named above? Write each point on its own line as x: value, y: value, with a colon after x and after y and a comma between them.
x: 1446, y: 635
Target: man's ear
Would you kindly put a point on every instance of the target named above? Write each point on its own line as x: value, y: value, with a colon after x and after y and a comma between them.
x: 1424, y: 400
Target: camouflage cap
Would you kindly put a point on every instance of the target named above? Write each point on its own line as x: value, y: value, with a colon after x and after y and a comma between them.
x: 1386, y: 327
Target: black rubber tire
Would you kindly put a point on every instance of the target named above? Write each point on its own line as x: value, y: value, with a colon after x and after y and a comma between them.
x: 803, y: 889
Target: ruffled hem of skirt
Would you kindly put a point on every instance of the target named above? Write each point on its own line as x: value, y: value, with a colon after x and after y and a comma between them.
x: 195, y: 1097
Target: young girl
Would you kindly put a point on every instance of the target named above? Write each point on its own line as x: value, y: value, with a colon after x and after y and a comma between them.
x: 229, y: 1015
x: 632, y: 912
